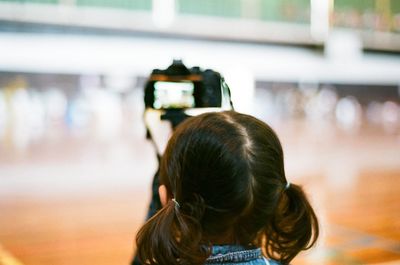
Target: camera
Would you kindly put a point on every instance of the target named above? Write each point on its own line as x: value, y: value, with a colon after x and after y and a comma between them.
x: 179, y: 92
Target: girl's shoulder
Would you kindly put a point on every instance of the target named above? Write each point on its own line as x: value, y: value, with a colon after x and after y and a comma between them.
x: 238, y: 255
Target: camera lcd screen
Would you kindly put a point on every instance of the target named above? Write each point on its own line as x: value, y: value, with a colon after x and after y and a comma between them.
x: 173, y: 95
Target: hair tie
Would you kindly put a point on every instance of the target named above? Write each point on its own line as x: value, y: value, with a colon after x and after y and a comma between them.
x: 287, y: 185
x: 176, y: 203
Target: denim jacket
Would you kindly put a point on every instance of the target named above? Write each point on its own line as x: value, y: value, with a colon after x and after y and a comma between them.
x: 237, y: 255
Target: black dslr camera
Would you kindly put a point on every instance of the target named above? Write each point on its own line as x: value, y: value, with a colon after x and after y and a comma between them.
x: 179, y: 91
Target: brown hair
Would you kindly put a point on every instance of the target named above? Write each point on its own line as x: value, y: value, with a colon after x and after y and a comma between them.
x: 226, y: 172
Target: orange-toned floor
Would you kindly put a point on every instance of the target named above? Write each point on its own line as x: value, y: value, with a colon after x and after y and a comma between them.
x: 79, y: 200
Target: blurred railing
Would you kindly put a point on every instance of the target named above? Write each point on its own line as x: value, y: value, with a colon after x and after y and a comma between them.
x: 123, y: 4
x: 375, y: 22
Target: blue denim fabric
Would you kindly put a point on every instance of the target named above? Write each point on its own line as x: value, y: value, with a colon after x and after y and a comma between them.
x: 237, y: 255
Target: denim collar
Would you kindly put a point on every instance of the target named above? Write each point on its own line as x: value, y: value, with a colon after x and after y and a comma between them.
x: 233, y: 253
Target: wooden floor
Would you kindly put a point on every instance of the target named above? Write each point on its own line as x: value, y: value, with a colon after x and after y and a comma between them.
x: 79, y: 200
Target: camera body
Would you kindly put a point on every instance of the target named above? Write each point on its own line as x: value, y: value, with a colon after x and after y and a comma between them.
x: 178, y: 88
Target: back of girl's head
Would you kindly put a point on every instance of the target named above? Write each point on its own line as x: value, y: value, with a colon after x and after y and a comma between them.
x: 225, y: 171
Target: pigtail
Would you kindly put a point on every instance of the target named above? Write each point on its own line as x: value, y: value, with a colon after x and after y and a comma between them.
x: 172, y: 237
x: 293, y: 227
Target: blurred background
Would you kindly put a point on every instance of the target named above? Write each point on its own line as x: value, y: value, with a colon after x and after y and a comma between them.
x: 75, y: 167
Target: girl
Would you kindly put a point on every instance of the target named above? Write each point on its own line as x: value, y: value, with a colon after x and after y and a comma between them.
x: 226, y: 198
